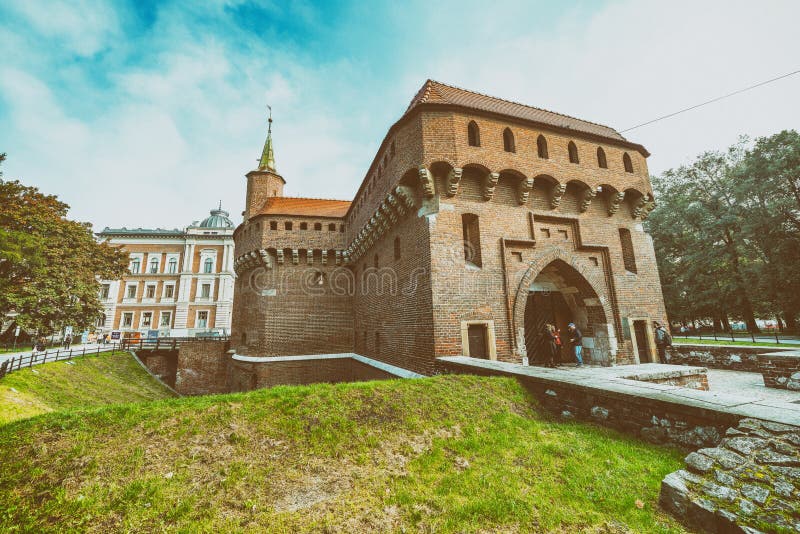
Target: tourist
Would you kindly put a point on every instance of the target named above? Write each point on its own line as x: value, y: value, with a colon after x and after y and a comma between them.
x: 559, y: 345
x: 663, y: 340
x: 67, y: 342
x: 550, y: 346
x: 576, y: 340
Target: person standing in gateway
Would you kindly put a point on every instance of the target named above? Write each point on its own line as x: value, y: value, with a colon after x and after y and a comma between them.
x: 576, y: 338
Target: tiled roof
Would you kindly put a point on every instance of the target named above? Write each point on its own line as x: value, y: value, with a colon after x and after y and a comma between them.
x: 433, y: 92
x: 310, y: 207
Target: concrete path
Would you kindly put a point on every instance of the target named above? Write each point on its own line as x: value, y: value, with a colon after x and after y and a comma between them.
x: 748, y: 384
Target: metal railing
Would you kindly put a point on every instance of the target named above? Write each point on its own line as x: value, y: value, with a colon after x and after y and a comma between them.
x: 765, y: 336
x: 165, y: 343
x: 23, y: 361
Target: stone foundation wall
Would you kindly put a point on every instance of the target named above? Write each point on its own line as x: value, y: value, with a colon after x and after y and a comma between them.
x: 751, y: 479
x: 202, y: 367
x: 780, y: 370
x: 246, y: 376
x: 732, y: 358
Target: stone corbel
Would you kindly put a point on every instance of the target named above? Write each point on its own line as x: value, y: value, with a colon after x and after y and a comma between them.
x: 279, y: 254
x: 426, y: 181
x: 405, y: 197
x: 324, y: 257
x: 309, y: 256
x: 386, y: 208
x: 295, y: 256
x: 586, y: 199
x: 555, y: 196
x: 648, y: 207
x: 346, y: 255
x: 525, y: 187
x: 338, y: 257
x: 265, y: 258
x: 638, y: 207
x: 616, y: 200
x: 453, y: 179
x: 489, y: 183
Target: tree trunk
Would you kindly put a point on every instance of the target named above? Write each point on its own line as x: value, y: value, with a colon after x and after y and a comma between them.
x: 726, y: 324
x: 790, y: 320
x: 717, y: 325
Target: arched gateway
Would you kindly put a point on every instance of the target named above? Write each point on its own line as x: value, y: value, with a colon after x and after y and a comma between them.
x: 559, y: 288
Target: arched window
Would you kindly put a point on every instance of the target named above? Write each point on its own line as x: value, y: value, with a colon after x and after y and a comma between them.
x: 208, y: 265
x: 397, y: 248
x: 626, y: 161
x: 628, y: 255
x: 573, y: 152
x: 172, y: 267
x: 508, y: 140
x: 473, y: 134
x: 601, y: 158
x: 153, y: 266
x: 541, y: 147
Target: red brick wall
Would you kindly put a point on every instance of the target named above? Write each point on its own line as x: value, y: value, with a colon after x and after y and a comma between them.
x: 202, y: 367
x: 245, y: 376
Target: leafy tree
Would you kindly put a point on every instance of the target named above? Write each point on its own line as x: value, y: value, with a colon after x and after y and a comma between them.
x: 49, y: 264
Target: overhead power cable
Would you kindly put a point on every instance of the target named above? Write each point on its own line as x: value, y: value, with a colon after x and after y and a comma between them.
x: 711, y: 101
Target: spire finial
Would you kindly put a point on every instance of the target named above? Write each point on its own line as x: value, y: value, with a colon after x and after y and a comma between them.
x: 267, y: 161
x: 220, y: 205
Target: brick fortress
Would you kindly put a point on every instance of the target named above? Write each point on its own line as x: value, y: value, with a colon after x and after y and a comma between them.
x: 479, y: 221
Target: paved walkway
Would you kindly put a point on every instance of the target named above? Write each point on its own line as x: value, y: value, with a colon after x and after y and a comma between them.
x: 748, y: 384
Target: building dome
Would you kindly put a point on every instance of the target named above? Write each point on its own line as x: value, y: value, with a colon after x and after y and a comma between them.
x: 219, y: 218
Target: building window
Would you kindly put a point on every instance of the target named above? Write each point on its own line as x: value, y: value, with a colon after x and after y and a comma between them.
x: 127, y: 319
x: 165, y: 319
x: 318, y: 227
x: 628, y: 256
x: 135, y: 266
x: 101, y: 321
x: 172, y: 266
x: 202, y: 319
x: 205, y: 291
x: 169, y: 291
x: 601, y: 158
x: 287, y: 225
x: 208, y: 265
x: 573, y: 153
x: 332, y: 227
x: 541, y: 147
x: 132, y: 292
x: 508, y: 141
x: 153, y: 266
x: 396, y: 248
x: 472, y: 239
x: 304, y: 226
x: 150, y: 292
x: 341, y: 228
x: 105, y: 289
x: 627, y: 163
x: 273, y: 225
x: 473, y: 134
x: 147, y: 318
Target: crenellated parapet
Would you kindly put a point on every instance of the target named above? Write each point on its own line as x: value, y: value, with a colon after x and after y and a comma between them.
x: 489, y: 183
x: 269, y: 258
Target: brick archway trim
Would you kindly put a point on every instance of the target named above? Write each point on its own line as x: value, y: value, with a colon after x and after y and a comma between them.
x: 541, y: 260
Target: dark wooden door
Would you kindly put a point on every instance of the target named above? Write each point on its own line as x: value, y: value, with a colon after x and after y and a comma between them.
x: 640, y: 329
x: 478, y: 345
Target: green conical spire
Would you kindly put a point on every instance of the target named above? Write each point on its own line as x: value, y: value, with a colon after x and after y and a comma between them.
x: 267, y: 162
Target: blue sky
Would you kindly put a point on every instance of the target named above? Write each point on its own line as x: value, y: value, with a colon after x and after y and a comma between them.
x: 149, y: 113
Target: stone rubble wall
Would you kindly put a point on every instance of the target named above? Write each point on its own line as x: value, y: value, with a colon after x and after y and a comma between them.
x: 749, y: 482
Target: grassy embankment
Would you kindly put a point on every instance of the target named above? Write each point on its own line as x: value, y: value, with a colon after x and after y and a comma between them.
x: 94, y: 380
x: 444, y: 454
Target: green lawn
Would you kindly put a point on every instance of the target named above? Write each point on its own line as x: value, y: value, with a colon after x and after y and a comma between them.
x: 86, y: 381
x: 442, y: 454
x: 723, y: 341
